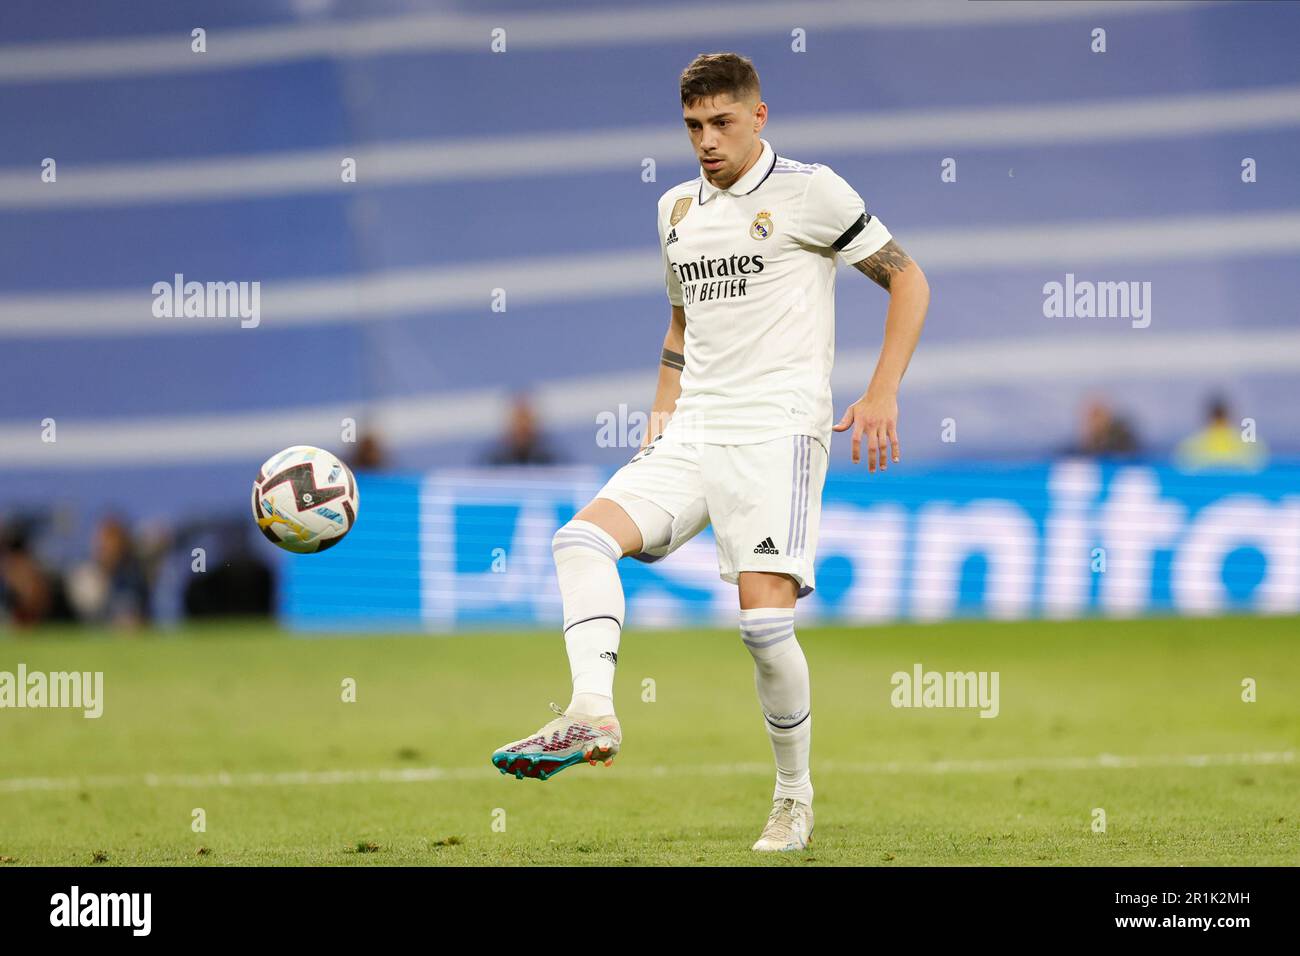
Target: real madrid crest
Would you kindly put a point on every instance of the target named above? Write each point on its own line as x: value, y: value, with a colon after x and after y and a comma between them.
x: 762, y: 226
x: 679, y: 211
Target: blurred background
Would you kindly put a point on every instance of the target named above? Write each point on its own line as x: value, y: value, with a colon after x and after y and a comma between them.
x: 449, y: 208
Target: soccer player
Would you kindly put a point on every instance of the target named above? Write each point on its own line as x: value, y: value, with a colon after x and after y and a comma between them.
x: 741, y: 424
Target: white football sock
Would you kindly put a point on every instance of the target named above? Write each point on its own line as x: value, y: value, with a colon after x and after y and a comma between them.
x: 586, y: 559
x: 781, y: 677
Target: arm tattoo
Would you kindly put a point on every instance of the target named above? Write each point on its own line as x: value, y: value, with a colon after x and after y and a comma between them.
x: 882, y: 266
x: 673, y: 359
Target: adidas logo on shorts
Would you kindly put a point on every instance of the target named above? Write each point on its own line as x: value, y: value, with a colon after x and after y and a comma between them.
x: 766, y: 547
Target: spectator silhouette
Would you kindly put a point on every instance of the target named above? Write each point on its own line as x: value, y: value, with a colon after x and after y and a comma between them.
x: 1219, y: 444
x: 522, y: 443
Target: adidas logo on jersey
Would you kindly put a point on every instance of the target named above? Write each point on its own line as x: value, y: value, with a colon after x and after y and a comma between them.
x: 672, y: 237
x: 766, y: 547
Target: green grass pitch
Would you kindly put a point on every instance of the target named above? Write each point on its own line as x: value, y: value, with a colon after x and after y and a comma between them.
x: 1143, y: 719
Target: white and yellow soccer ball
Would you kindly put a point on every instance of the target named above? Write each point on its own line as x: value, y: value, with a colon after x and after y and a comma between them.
x: 304, y: 499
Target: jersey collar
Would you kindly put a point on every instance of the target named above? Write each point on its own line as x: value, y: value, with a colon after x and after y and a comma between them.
x: 747, y: 183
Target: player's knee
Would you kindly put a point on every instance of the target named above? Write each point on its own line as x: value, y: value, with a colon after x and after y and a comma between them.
x: 580, y: 539
x: 768, y: 633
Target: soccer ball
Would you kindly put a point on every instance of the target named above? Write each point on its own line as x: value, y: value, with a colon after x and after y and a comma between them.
x: 304, y: 499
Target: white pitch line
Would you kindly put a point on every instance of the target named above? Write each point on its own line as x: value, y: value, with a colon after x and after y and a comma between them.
x: 445, y: 774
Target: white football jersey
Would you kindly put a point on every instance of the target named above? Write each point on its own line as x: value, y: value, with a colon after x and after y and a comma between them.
x: 754, y: 267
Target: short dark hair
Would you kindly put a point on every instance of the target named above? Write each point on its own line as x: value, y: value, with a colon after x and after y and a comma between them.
x: 711, y: 74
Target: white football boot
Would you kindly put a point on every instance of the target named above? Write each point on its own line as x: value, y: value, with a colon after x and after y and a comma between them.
x: 565, y: 741
x: 789, y: 827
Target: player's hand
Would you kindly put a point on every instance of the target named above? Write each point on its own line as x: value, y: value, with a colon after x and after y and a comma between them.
x: 874, y: 417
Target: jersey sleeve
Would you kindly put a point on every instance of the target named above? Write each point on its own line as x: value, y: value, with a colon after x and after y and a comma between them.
x: 833, y: 216
x: 673, y: 287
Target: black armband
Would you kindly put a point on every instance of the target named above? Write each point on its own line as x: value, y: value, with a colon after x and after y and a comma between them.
x: 673, y: 359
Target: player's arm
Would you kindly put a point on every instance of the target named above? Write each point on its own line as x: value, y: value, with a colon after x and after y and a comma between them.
x: 875, y: 415
x: 671, y: 362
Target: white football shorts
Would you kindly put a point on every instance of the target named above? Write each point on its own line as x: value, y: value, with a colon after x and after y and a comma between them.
x: 763, y: 499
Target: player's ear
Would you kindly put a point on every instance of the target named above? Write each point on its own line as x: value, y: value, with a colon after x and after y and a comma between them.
x: 760, y: 117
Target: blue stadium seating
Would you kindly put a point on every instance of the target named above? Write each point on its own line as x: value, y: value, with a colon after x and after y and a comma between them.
x: 544, y: 229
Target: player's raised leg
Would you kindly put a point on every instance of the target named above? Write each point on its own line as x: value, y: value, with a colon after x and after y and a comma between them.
x: 648, y: 508
x: 784, y: 695
x: 586, y: 551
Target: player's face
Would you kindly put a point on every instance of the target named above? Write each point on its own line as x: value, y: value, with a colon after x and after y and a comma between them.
x: 724, y: 132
